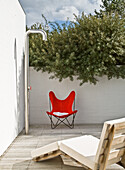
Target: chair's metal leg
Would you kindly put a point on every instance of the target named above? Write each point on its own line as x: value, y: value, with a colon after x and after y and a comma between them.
x: 59, y: 121
x: 53, y: 126
x: 73, y: 119
x: 71, y: 125
x: 68, y: 124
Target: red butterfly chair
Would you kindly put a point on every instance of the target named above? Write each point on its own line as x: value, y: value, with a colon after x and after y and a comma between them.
x: 62, y: 109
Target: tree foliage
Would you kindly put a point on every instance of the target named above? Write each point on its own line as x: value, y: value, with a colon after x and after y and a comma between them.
x: 88, y: 48
x: 112, y: 6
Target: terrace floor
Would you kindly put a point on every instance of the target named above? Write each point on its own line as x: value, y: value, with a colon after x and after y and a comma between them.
x: 17, y: 156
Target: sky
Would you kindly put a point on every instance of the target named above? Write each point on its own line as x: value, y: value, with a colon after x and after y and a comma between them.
x: 57, y: 10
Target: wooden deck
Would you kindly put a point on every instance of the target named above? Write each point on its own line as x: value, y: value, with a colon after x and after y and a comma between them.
x: 17, y: 156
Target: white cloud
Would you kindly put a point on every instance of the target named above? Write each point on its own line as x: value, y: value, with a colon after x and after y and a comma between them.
x: 65, y: 12
x: 57, y: 9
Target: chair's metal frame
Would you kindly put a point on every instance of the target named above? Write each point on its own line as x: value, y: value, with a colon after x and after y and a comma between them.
x: 62, y: 120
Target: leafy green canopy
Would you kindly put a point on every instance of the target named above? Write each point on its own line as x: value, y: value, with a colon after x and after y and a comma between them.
x: 88, y: 48
x: 112, y: 6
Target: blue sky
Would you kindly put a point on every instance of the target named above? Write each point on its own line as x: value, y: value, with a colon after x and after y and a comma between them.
x: 57, y: 10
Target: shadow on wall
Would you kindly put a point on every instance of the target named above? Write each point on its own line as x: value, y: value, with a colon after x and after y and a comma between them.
x: 19, y: 77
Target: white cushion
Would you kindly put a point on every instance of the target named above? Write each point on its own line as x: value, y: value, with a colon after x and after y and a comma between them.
x: 60, y: 113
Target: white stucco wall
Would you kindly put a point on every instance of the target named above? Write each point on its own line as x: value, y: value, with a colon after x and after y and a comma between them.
x: 95, y: 103
x: 12, y: 30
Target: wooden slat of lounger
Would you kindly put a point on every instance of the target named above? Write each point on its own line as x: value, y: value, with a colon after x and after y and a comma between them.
x: 123, y: 160
x: 118, y: 142
x: 119, y: 125
x: 116, y: 121
x: 48, y: 156
x: 120, y: 131
x: 67, y: 160
x: 103, y: 142
x: 115, y: 156
x: 39, y: 152
x: 104, y: 149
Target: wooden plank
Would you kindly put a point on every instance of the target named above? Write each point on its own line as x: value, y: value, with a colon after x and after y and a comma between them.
x: 119, y: 126
x: 102, y: 142
x: 107, y: 143
x: 48, y: 156
x: 67, y: 160
x: 113, y: 161
x: 120, y: 131
x: 122, y: 162
x: 39, y: 152
x: 102, y: 162
x: 116, y: 121
x: 118, y: 142
x: 118, y: 139
x: 115, y: 156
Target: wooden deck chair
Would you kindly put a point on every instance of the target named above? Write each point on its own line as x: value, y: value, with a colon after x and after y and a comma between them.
x: 62, y: 109
x: 88, y: 151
